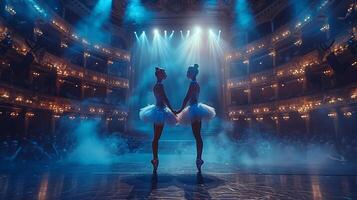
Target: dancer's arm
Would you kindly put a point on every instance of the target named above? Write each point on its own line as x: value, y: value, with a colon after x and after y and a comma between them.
x: 187, y: 98
x: 166, y: 100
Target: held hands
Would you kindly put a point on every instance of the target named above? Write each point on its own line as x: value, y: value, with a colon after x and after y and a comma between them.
x: 177, y: 111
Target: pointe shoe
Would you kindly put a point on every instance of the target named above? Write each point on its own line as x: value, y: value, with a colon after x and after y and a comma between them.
x: 155, y: 164
x: 199, y: 163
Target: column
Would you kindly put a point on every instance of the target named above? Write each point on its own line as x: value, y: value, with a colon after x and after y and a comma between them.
x: 277, y: 126
x: 272, y: 26
x: 307, y: 124
x: 336, y: 135
x: 26, y: 123
x: 125, y: 125
x: 53, y: 124
x: 106, y: 123
x: 249, y: 94
x: 58, y: 87
x: 85, y: 55
x: 225, y: 89
x: 273, y: 57
x: 81, y: 85
x: 248, y: 66
x: 304, y: 85
x: 275, y: 85
x: 250, y: 122
x: 306, y: 118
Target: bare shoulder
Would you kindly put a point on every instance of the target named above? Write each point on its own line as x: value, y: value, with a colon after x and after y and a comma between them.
x: 157, y: 85
x: 194, y: 85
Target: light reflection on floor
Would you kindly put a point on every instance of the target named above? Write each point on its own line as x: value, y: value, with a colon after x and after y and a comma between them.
x: 135, y: 181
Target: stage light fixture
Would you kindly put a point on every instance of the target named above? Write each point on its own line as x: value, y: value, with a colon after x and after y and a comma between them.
x: 172, y: 34
x: 156, y: 31
x: 188, y: 33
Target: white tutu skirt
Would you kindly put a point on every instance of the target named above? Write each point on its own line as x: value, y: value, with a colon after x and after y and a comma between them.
x: 196, y: 112
x: 157, y: 114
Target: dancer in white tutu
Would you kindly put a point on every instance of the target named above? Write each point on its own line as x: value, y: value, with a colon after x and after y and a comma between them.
x: 195, y: 112
x: 158, y: 114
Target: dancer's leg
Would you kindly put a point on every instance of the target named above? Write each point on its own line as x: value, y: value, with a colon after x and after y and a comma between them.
x: 196, y: 129
x: 155, y: 143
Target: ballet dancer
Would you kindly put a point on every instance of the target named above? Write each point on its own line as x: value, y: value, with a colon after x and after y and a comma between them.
x: 195, y: 112
x: 158, y: 114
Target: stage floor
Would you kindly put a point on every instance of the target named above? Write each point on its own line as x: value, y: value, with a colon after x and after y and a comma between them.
x: 134, y: 180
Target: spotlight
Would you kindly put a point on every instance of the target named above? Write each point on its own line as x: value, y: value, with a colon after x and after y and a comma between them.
x: 156, y: 31
x: 172, y: 33
x: 219, y: 31
x: 135, y: 32
x: 210, y: 31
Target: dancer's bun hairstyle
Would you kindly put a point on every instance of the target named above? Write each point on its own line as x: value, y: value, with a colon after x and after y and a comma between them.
x: 194, y: 69
x: 158, y: 71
